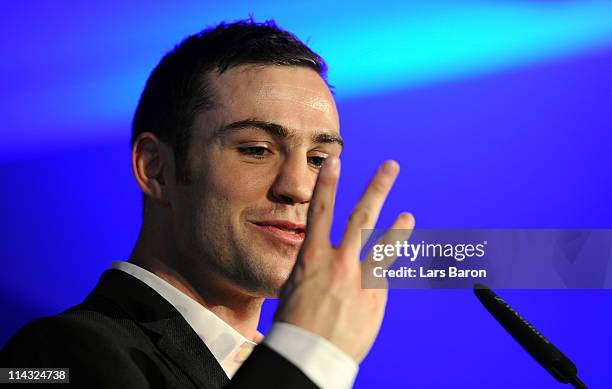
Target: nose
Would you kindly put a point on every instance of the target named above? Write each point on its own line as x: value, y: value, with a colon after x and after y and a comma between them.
x: 294, y: 182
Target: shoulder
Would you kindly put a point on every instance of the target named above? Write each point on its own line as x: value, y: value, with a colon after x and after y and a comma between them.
x: 64, y: 334
x: 75, y: 335
x: 90, y: 343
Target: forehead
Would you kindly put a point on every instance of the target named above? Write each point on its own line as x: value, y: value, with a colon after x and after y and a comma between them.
x: 294, y: 97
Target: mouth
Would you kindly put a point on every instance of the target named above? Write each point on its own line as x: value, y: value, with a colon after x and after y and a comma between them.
x: 281, y: 230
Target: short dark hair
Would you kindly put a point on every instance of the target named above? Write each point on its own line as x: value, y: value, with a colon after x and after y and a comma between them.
x: 178, y: 88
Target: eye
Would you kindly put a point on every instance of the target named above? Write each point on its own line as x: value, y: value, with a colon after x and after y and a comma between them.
x: 254, y: 151
x: 316, y: 161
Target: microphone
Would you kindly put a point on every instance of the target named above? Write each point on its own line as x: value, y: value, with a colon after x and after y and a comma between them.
x: 553, y: 360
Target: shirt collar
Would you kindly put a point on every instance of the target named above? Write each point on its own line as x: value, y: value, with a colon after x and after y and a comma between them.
x: 220, y: 338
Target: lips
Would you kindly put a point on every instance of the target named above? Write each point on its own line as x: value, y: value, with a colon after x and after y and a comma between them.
x: 283, y: 230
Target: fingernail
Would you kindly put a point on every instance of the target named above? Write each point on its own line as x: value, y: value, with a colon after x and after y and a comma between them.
x: 390, y: 166
x: 407, y: 217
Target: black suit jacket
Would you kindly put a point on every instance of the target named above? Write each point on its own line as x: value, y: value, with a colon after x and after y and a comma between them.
x: 125, y: 335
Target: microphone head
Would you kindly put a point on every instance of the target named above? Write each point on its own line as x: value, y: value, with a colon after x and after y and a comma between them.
x: 547, y: 355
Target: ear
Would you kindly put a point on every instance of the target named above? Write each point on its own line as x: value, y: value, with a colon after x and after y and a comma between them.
x: 152, y: 162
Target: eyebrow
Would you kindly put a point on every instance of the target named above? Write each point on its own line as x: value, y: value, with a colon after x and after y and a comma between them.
x: 278, y: 131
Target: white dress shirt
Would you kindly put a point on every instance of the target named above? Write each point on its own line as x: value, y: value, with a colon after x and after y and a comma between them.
x: 322, y: 362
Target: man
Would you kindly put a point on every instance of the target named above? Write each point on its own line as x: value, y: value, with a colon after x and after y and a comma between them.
x: 235, y: 146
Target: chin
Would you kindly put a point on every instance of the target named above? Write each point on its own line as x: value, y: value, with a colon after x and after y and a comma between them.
x: 263, y: 290
x: 270, y: 286
x: 274, y: 284
x: 268, y: 269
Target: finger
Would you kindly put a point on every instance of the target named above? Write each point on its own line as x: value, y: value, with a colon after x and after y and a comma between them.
x: 365, y: 213
x: 321, y: 206
x: 400, y: 231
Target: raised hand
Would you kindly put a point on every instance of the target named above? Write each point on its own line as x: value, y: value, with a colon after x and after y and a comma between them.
x: 323, y: 294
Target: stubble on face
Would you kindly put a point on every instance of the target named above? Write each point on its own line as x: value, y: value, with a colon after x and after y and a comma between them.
x: 229, y: 191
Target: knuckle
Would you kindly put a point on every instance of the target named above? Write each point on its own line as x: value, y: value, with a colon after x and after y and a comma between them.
x: 338, y: 276
x: 361, y: 216
x: 379, y: 187
x: 311, y: 252
x: 344, y: 267
x: 326, y: 179
x: 318, y: 208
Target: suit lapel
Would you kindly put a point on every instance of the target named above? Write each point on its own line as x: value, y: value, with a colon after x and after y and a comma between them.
x: 164, y: 325
x: 182, y: 345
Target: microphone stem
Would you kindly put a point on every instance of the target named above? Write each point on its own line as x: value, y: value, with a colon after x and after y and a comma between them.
x: 576, y: 383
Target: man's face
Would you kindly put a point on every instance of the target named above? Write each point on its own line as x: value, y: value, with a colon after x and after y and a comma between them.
x: 254, y: 161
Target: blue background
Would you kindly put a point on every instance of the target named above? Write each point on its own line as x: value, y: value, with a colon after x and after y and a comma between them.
x: 498, y: 112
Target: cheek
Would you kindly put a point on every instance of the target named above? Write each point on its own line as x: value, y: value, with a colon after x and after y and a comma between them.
x: 242, y: 187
